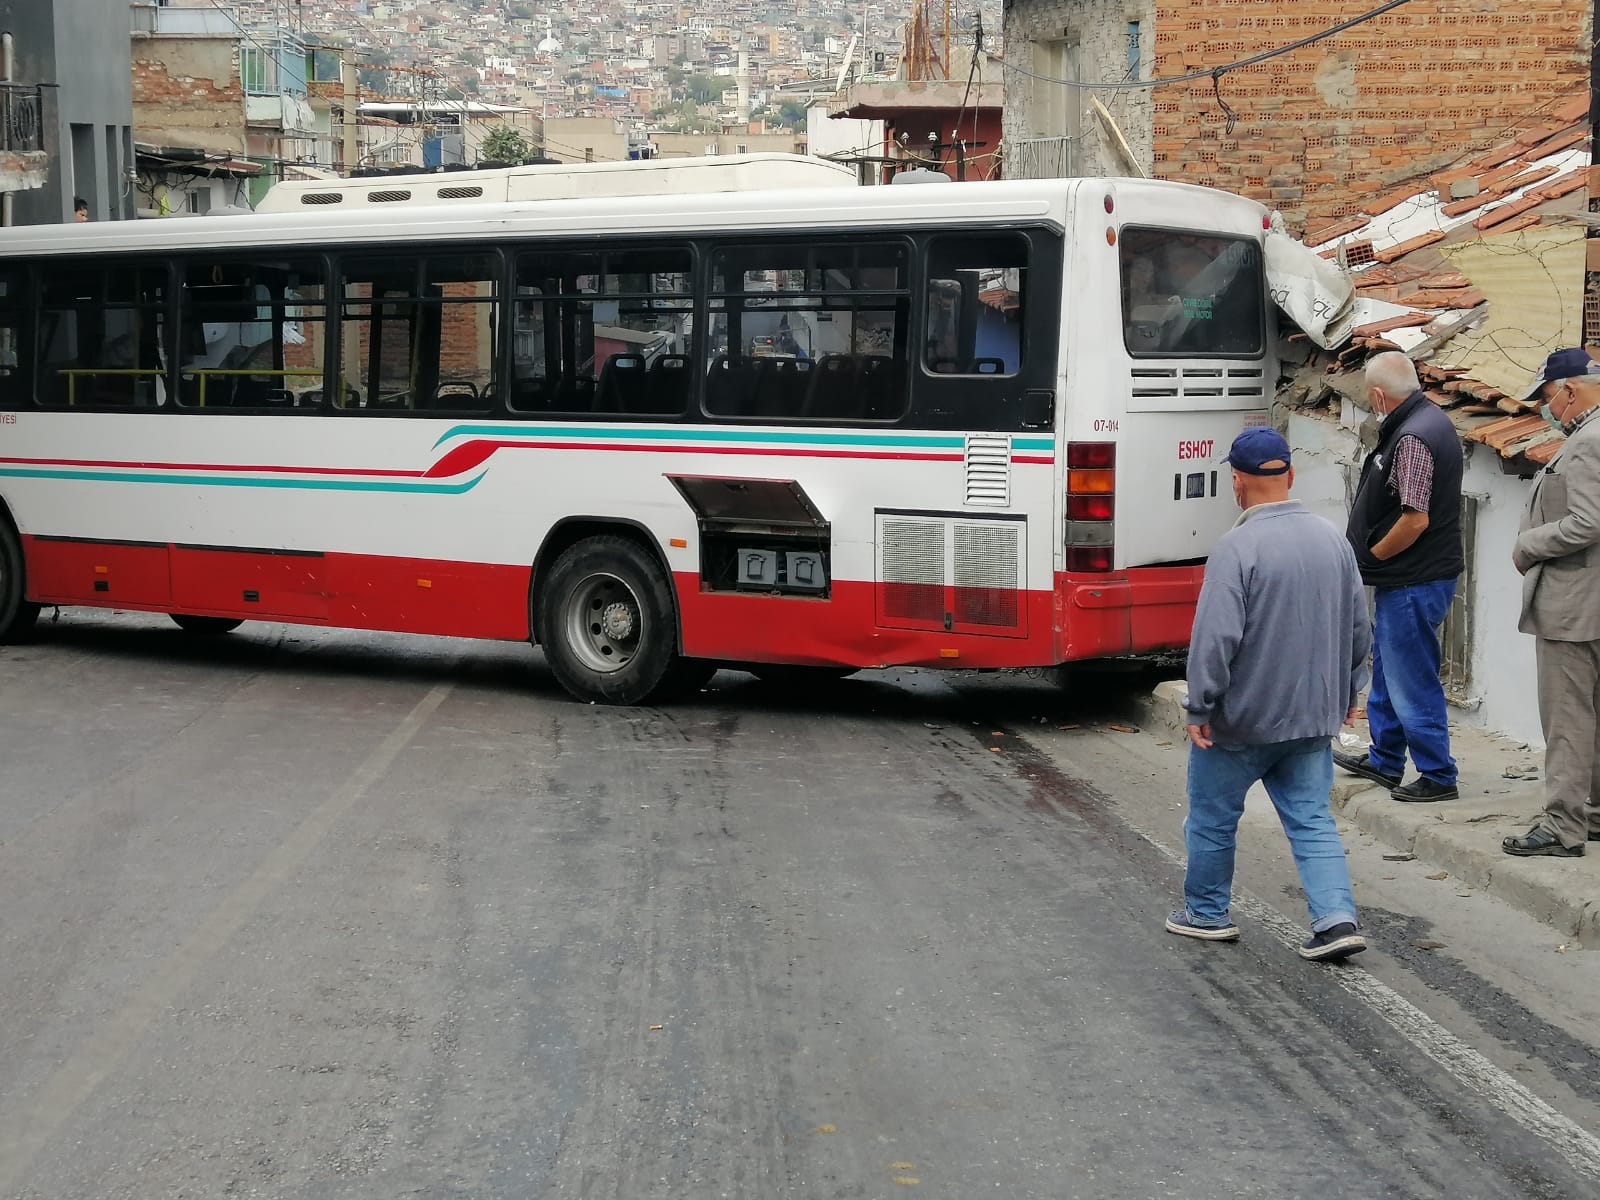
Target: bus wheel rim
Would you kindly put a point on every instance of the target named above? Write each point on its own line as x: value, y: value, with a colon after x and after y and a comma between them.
x: 604, y: 623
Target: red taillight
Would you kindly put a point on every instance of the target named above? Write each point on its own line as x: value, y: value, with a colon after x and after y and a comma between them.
x: 1090, y: 508
x: 1088, y: 558
x: 1091, y: 456
x: 1091, y: 505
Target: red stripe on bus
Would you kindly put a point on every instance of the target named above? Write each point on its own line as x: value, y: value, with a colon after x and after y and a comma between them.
x: 215, y: 467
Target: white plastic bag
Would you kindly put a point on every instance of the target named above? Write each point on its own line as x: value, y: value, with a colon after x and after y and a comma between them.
x: 1318, y: 295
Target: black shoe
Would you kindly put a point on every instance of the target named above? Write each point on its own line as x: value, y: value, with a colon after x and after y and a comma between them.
x: 1333, y: 944
x: 1361, y: 764
x: 1540, y: 840
x: 1424, y: 791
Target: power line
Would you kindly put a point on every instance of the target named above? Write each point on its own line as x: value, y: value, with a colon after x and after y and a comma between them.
x: 1216, y: 73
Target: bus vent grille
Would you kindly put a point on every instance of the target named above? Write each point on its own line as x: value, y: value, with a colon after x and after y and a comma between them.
x: 986, y: 574
x: 913, y: 570
x: 321, y: 197
x: 1198, y: 382
x: 388, y: 197
x: 988, y: 471
x: 460, y: 193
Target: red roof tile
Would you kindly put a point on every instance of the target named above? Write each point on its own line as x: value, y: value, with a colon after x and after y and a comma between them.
x: 1497, y: 435
x: 1544, y: 451
x: 1416, y: 243
x: 1458, y: 208
x: 1562, y: 141
x: 1404, y: 321
x: 1382, y: 204
x: 1338, y: 229
x: 1505, y: 212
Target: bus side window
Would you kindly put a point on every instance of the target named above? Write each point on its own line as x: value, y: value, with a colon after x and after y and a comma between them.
x: 810, y: 332
x: 11, y: 309
x: 975, y: 317
x: 251, y: 333
x: 102, y: 337
x: 417, y: 334
x: 603, y: 335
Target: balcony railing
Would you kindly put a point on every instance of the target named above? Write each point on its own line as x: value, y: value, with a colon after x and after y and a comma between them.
x: 1041, y: 158
x: 21, y: 118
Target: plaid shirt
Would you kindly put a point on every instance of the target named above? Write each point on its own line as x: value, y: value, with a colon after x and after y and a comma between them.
x: 1412, y: 478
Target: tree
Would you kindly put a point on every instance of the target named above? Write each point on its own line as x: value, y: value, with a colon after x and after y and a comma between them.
x: 505, y: 143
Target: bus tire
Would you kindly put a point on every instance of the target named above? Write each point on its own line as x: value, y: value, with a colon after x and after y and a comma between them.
x: 607, y: 623
x: 17, y: 614
x: 204, y: 626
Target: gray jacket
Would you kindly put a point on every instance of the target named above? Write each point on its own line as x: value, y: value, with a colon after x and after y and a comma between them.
x: 1557, y: 544
x: 1281, y: 635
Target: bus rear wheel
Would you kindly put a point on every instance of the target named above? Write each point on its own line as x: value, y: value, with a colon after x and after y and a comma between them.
x: 607, y: 624
x: 17, y: 615
x: 206, y: 626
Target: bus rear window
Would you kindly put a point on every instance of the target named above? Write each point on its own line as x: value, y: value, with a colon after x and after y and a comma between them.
x: 1191, y: 294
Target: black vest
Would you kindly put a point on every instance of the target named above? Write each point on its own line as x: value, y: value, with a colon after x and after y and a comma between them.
x: 1437, y: 553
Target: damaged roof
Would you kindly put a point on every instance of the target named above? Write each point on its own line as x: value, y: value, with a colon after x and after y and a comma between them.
x: 1476, y: 272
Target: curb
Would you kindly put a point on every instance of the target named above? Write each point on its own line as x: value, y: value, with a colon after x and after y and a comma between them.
x: 1462, y: 838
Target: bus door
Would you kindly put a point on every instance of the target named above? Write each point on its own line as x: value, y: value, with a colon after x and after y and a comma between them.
x: 1194, y: 332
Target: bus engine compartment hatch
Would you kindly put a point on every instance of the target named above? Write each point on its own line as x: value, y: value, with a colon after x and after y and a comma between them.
x: 760, y: 536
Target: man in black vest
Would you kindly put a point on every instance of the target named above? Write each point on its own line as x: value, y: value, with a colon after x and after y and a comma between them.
x: 1405, y: 527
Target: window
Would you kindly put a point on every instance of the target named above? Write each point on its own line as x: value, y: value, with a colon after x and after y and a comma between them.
x: 252, y: 333
x: 417, y: 333
x: 11, y: 309
x: 976, y: 285
x: 1133, y: 50
x: 807, y: 331
x: 101, y: 335
x: 606, y: 333
x: 1189, y: 294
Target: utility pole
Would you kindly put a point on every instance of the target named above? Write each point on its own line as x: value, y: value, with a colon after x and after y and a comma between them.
x: 351, y: 80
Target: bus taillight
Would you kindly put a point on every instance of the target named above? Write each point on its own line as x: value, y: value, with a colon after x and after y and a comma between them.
x: 1091, y: 505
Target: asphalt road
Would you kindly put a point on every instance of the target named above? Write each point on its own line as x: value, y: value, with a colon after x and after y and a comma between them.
x: 293, y: 913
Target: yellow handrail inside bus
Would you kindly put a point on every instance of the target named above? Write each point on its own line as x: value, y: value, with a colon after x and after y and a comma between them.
x: 72, y: 373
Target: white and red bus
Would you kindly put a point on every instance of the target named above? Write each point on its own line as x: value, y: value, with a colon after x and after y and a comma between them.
x: 954, y: 425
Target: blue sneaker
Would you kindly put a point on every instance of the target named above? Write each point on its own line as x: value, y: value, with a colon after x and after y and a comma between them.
x: 1181, y: 923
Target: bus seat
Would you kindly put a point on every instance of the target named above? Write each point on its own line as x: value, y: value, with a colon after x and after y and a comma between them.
x: 880, y: 387
x: 456, y: 395
x: 621, y: 388
x: 832, y: 389
x: 780, y: 388
x: 731, y: 385
x: 669, y: 385
x: 944, y: 366
x: 574, y: 394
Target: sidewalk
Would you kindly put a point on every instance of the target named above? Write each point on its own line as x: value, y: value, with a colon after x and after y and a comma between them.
x: 1461, y: 836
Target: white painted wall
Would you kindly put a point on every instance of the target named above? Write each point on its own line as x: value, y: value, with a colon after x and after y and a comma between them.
x: 1327, y: 460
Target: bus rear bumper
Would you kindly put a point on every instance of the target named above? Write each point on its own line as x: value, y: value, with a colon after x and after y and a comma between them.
x: 1129, y: 612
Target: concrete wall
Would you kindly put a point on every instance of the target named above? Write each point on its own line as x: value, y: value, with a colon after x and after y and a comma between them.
x: 1099, y: 30
x: 1502, y: 694
x: 186, y: 92
x: 82, y: 47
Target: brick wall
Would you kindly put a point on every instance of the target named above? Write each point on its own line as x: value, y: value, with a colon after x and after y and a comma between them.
x: 1324, y: 128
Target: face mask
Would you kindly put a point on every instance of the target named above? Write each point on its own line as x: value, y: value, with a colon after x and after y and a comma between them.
x: 1548, y: 415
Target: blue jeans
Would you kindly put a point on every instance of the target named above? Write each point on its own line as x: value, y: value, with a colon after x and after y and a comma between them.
x: 1405, y: 708
x: 1298, y: 775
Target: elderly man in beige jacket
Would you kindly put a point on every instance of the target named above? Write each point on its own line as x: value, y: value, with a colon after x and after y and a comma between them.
x: 1558, y: 554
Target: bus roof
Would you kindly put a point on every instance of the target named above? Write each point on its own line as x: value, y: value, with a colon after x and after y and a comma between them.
x: 996, y: 203
x: 564, y: 181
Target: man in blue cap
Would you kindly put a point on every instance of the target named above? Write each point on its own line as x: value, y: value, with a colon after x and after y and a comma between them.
x: 1276, y: 661
x: 1556, y: 553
